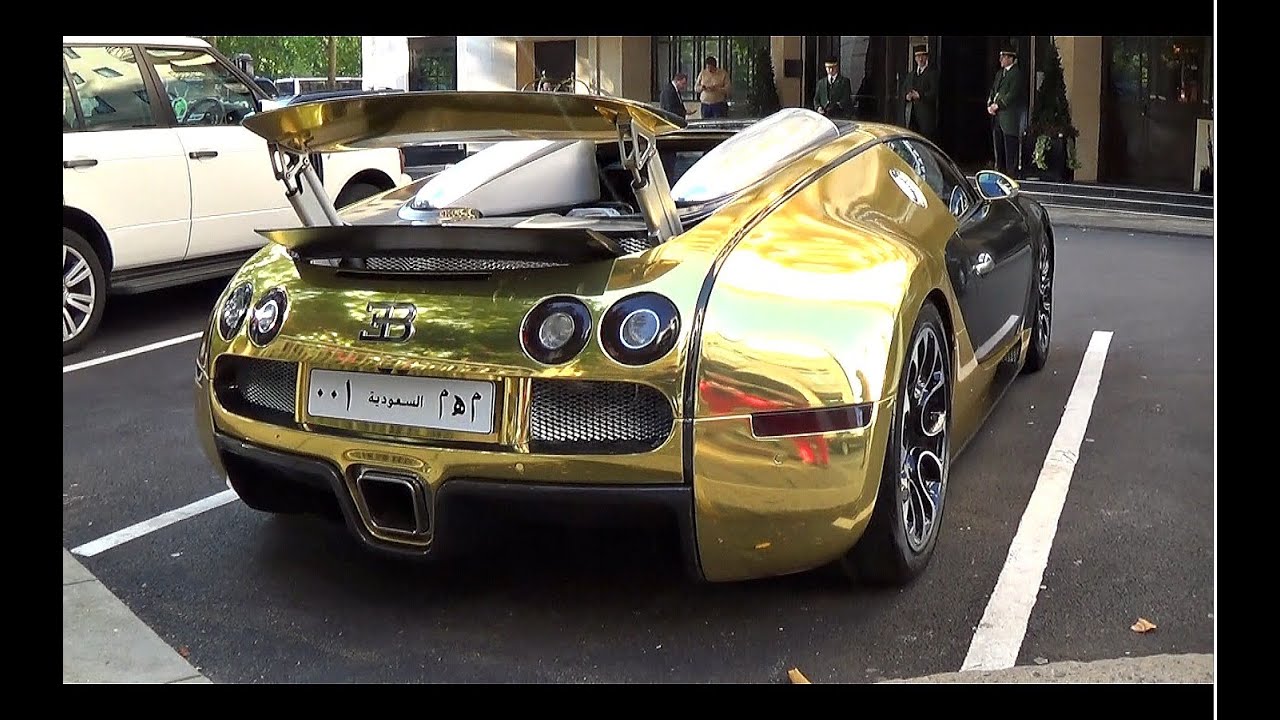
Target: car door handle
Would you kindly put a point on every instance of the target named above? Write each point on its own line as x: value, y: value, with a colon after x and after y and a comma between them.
x: 79, y: 163
x: 983, y: 265
x: 202, y: 154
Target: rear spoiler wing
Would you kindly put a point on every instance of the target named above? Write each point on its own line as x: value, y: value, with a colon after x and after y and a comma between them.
x: 528, y: 241
x: 293, y: 133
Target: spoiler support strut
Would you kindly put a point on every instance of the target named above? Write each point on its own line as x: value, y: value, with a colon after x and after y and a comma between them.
x: 303, y: 187
x: 639, y: 152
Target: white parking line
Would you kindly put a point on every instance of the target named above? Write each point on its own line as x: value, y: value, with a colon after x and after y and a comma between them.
x: 130, y: 353
x: 132, y: 532
x: 999, y: 636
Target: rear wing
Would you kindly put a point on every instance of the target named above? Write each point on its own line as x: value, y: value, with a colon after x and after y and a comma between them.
x: 294, y: 132
x: 531, y: 242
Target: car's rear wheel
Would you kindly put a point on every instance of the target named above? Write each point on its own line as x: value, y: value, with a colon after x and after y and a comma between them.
x: 84, y: 289
x: 1042, y: 327
x: 905, y: 523
x: 355, y: 192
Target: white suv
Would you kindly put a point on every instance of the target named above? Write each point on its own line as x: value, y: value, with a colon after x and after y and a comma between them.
x: 161, y: 184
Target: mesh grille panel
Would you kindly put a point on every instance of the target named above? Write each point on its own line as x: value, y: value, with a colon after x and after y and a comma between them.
x: 430, y: 264
x: 257, y: 388
x: 634, y: 244
x: 614, y: 416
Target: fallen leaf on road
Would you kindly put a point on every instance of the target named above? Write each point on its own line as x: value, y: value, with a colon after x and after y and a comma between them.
x: 1143, y: 626
x: 797, y: 677
x: 184, y: 652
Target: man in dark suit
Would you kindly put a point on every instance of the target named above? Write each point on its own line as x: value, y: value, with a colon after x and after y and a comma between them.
x: 834, y: 94
x: 1006, y: 105
x: 920, y: 92
x: 670, y: 99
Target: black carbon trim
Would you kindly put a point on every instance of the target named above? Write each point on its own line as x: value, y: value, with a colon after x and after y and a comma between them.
x: 318, y: 474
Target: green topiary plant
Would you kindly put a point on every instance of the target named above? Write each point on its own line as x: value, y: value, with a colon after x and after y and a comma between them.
x: 1052, y: 118
x: 762, y: 94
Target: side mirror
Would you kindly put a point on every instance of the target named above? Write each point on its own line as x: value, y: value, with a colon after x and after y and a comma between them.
x: 994, y: 185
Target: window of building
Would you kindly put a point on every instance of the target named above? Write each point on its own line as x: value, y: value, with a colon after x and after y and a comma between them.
x: 433, y: 63
x: 1178, y: 70
x: 686, y: 53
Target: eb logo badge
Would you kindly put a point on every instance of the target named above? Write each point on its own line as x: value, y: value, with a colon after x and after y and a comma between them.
x: 389, y: 322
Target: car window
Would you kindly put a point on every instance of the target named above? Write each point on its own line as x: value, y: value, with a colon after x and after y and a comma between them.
x: 69, y: 119
x: 937, y: 172
x: 959, y: 193
x: 201, y: 89
x: 109, y: 86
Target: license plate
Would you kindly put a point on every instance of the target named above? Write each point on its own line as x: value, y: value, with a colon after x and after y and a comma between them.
x: 435, y: 403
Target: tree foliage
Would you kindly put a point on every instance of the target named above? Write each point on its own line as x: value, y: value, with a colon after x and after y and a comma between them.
x: 1052, y: 117
x: 279, y: 56
x: 1053, y: 112
x: 762, y: 94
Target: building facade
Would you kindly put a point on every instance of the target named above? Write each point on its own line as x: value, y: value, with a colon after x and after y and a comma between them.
x: 1142, y: 105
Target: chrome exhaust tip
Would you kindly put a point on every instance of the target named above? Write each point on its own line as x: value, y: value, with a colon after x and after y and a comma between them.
x: 394, y: 503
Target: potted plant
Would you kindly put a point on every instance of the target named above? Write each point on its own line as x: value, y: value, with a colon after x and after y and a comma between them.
x: 1051, y: 136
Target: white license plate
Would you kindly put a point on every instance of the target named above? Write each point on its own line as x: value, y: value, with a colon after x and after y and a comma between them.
x: 436, y: 403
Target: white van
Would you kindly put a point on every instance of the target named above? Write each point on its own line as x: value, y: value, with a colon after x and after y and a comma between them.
x: 161, y: 185
x: 290, y: 86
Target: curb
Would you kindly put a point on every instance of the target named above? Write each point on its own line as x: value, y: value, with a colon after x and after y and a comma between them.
x: 1188, y: 668
x: 1133, y: 222
x: 103, y: 641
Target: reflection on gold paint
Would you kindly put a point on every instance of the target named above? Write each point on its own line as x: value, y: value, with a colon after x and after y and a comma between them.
x: 409, y: 118
x: 805, y: 310
x: 761, y: 492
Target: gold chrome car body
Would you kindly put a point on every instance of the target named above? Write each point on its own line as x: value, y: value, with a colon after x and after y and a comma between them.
x: 797, y: 293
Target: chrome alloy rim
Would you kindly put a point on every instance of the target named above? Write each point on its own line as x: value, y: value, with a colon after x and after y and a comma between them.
x: 78, y: 292
x: 924, y: 450
x: 1044, y: 313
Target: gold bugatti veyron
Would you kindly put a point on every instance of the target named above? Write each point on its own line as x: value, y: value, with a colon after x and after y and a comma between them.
x: 780, y: 335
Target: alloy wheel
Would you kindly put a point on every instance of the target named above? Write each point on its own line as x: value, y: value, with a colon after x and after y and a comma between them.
x: 1044, y: 312
x: 924, y: 451
x: 78, y: 292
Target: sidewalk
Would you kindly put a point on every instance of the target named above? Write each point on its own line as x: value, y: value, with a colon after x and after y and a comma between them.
x: 1130, y: 221
x: 1189, y: 668
x: 104, y: 642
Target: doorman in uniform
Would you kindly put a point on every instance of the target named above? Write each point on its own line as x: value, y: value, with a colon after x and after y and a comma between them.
x: 920, y: 93
x: 1007, y: 106
x: 833, y: 96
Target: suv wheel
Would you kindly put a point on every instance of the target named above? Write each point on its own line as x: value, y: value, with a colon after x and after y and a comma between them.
x: 83, y: 291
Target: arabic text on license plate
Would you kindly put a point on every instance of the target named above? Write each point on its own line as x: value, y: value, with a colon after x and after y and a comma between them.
x: 436, y: 403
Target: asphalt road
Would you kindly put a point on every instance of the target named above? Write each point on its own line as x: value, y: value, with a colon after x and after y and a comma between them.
x: 253, y: 598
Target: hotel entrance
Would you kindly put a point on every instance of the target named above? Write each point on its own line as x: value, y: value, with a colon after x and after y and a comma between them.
x: 1155, y: 91
x: 877, y: 65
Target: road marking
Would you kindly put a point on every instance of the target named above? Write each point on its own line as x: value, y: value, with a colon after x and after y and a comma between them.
x: 135, y: 531
x: 130, y: 353
x: 999, y: 636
